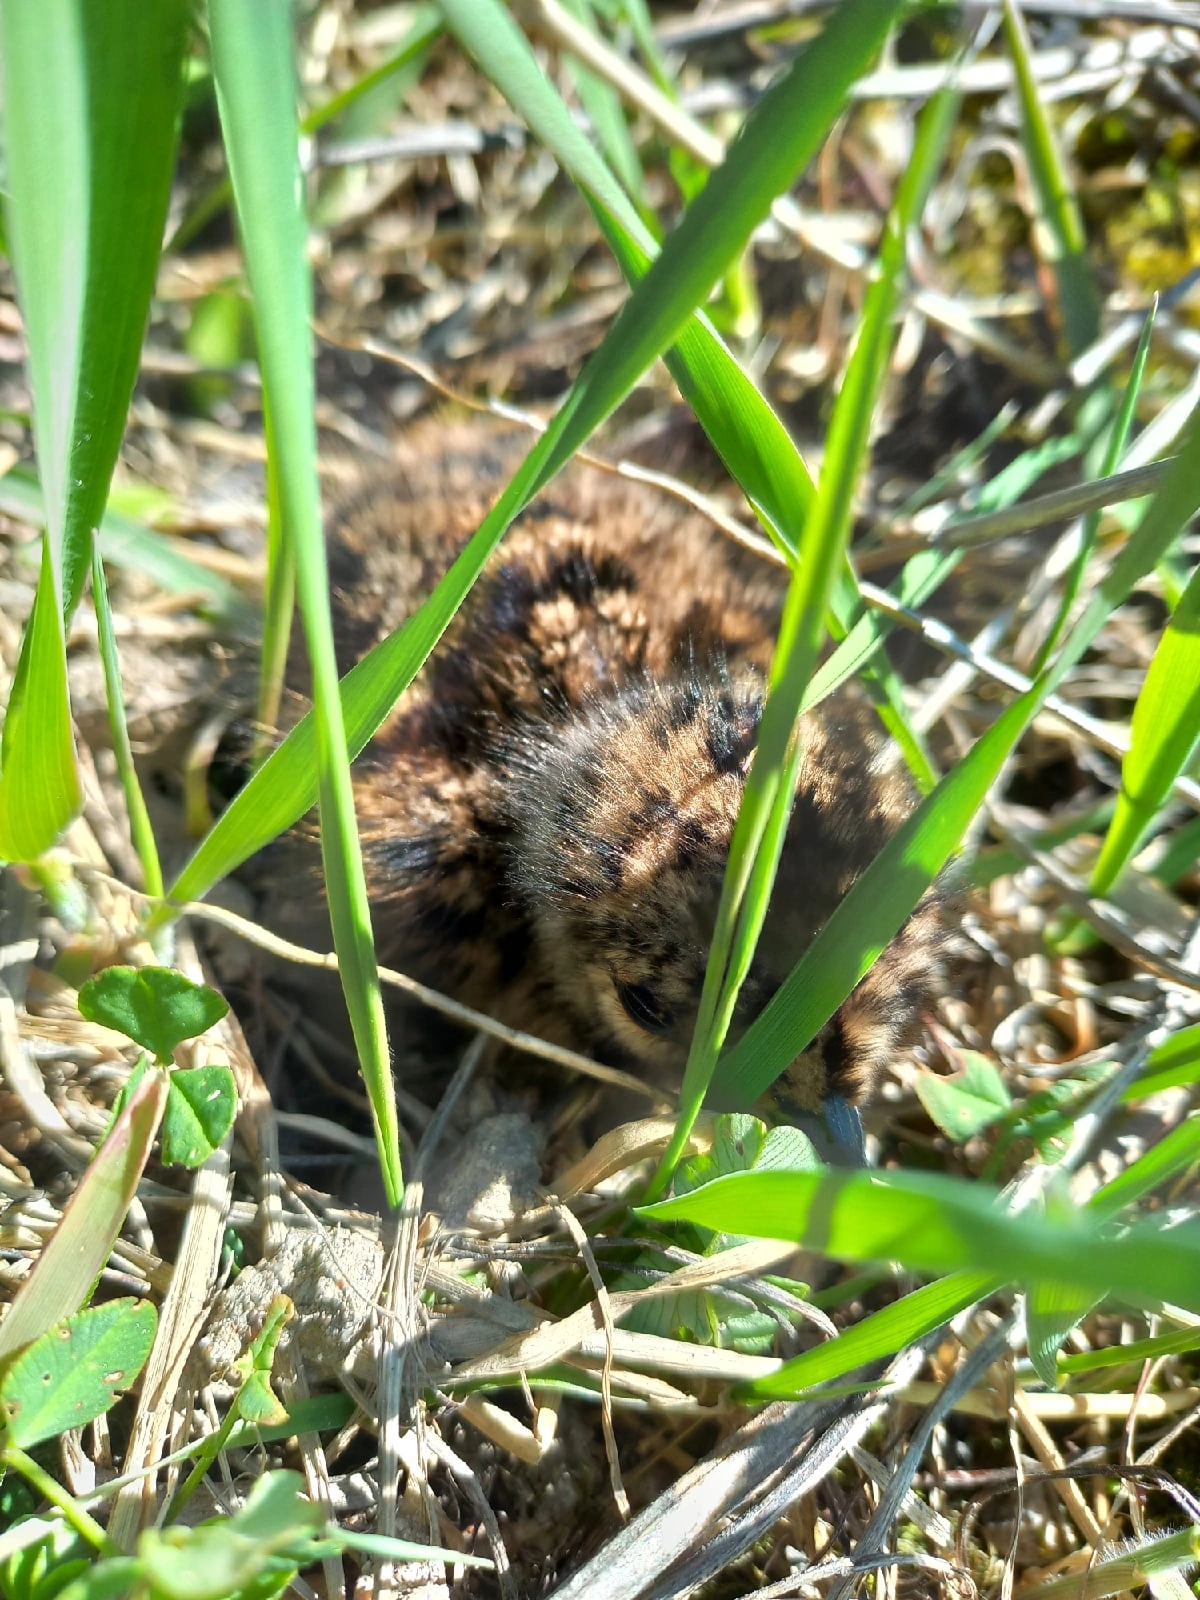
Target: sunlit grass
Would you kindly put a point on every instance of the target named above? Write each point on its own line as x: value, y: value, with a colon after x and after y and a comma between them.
x: 79, y: 147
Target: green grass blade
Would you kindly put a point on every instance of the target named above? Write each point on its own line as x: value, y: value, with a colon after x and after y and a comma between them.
x: 1064, y: 240
x: 1174, y: 1062
x: 921, y: 577
x: 881, y: 1334
x: 281, y: 791
x: 747, y: 434
x: 870, y: 915
x: 91, y: 101
x: 1052, y: 1309
x: 1151, y: 1563
x: 1174, y: 504
x: 424, y: 30
x: 931, y: 1223
x: 256, y: 94
x: 75, y: 1254
x: 603, y: 106
x: 139, y: 818
x: 279, y: 605
x: 888, y: 890
x: 423, y: 34
x: 1170, y: 1155
x: 1163, y: 734
x: 39, y: 786
x: 916, y: 1314
x: 1136, y: 1351
x: 1114, y: 449
x: 766, y: 806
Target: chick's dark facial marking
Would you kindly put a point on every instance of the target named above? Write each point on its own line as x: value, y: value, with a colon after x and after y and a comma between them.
x: 547, y: 813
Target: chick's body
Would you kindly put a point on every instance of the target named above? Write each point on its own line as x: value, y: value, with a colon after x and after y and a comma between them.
x: 547, y: 813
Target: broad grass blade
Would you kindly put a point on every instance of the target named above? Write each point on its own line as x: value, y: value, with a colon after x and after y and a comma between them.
x: 39, y: 786
x: 256, y: 94
x: 75, y: 1254
x: 914, y: 1315
x: 91, y: 102
x: 931, y: 1223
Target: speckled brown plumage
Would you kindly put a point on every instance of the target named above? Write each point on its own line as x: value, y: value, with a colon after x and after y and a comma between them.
x: 546, y: 815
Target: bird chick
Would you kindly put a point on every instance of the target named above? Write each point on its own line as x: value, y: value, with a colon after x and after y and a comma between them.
x: 546, y: 814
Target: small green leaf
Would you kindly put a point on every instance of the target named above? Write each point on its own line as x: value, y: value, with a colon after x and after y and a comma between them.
x: 42, y: 1570
x: 741, y: 1143
x: 74, y: 1372
x: 225, y: 1557
x: 201, y: 1106
x: 1052, y: 1309
x: 969, y: 1101
x: 156, y: 1007
x: 114, y: 1578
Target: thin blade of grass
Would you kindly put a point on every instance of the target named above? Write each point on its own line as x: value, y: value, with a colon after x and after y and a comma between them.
x: 74, y: 1255
x: 870, y: 916
x: 1170, y: 1155
x: 1173, y: 1063
x: 281, y: 791
x: 139, y: 818
x: 423, y: 33
x: 603, y: 106
x: 744, y: 430
x: 1134, y: 1352
x: 884, y: 685
x: 1064, y: 242
x: 1114, y: 449
x: 1152, y: 1563
x: 889, y: 889
x: 902, y: 1323
x: 770, y: 788
x: 91, y: 103
x: 256, y: 95
x: 1163, y: 734
x: 279, y: 605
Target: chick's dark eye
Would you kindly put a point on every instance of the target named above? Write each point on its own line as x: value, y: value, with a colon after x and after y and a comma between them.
x: 642, y: 1005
